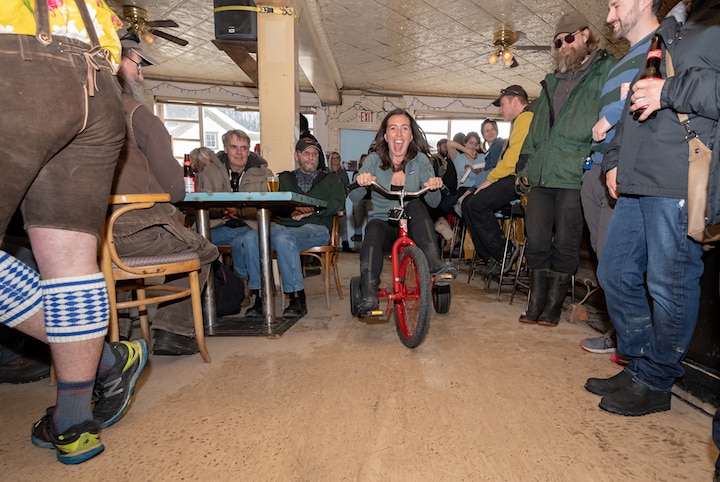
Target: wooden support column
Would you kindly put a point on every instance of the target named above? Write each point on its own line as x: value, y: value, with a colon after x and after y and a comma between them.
x: 278, y: 89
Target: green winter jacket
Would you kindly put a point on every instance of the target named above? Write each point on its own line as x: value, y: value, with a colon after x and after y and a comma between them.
x: 326, y: 187
x: 552, y: 155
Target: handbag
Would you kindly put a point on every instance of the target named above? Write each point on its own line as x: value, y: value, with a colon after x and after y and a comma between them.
x: 699, y: 163
x: 229, y: 290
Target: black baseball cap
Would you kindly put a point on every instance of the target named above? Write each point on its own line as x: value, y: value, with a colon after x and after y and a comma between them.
x: 514, y: 90
x: 306, y: 142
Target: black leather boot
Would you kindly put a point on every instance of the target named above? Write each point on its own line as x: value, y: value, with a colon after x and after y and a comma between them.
x: 538, y: 295
x: 256, y: 310
x: 369, y: 289
x: 557, y: 289
x: 297, y: 307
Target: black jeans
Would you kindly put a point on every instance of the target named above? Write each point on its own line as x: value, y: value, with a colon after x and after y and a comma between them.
x: 380, y: 236
x: 554, y: 224
x: 479, y: 215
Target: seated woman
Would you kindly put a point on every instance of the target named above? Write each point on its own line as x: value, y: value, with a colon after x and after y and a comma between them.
x: 398, y: 162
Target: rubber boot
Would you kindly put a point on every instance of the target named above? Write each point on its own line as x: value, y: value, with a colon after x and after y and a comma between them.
x: 256, y: 310
x: 298, y: 305
x: 538, y: 295
x: 558, y: 284
x: 369, y: 289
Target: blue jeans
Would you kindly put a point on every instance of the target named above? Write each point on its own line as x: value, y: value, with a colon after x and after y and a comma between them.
x: 287, y: 242
x: 223, y: 236
x: 650, y: 271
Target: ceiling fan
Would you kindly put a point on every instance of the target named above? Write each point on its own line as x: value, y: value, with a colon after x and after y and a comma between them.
x: 137, y: 21
x: 504, y: 41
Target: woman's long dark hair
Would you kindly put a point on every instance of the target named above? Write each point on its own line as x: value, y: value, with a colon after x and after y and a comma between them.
x: 418, y: 144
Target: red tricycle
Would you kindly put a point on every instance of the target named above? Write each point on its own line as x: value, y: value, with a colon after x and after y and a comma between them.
x: 412, y: 284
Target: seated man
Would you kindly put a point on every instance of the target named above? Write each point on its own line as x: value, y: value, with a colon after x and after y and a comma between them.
x: 303, y: 229
x: 147, y: 165
x: 499, y: 188
x: 242, y: 171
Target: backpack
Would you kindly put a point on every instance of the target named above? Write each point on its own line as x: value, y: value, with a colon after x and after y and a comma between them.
x: 229, y: 290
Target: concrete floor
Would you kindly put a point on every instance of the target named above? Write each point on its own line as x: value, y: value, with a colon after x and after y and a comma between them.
x: 483, y: 398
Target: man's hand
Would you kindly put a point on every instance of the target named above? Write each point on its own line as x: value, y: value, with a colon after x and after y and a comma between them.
x: 611, y: 182
x: 229, y: 213
x: 302, y: 212
x: 600, y: 129
x: 646, y: 95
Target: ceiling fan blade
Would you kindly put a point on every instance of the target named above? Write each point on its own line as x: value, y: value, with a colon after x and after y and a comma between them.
x: 171, y: 38
x: 161, y: 23
x: 533, y: 47
x: 514, y: 63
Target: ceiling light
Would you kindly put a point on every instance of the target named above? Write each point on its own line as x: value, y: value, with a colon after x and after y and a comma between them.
x: 507, y: 56
x: 493, y: 59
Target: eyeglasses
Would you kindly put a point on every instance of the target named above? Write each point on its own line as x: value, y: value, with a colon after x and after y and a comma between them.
x: 569, y: 38
x: 139, y: 66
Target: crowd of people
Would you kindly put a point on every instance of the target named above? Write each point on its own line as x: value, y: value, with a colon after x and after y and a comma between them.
x: 575, y: 155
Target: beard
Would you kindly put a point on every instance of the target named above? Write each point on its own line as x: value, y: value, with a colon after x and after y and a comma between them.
x: 133, y: 87
x: 626, y: 24
x: 571, y: 60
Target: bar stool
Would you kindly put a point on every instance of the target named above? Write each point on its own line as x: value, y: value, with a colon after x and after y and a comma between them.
x: 512, y: 216
x: 458, y: 234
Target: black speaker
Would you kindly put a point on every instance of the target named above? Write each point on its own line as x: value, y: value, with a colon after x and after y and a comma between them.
x: 235, y: 24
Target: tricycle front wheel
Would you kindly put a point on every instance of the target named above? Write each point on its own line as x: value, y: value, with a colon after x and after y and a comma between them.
x: 412, y: 302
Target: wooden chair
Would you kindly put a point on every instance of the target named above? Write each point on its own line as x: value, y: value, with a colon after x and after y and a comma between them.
x: 137, y: 270
x: 328, y: 256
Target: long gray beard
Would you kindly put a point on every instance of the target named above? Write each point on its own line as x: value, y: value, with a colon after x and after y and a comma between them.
x: 137, y: 90
x: 572, y: 61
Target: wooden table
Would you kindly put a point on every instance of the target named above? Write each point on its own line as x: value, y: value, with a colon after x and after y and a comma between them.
x: 267, y: 204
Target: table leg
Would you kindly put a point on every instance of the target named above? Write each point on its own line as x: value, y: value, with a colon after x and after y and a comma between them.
x: 209, y: 311
x: 263, y: 219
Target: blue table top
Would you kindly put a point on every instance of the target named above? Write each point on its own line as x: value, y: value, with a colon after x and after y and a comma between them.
x: 249, y: 199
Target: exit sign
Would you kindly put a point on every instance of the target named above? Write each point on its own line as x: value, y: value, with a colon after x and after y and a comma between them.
x: 366, y: 116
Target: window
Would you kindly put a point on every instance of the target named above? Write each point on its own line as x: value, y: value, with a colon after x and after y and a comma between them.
x: 194, y: 125
x: 436, y: 129
x: 211, y: 140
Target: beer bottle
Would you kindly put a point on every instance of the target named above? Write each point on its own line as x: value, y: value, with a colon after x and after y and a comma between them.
x: 188, y: 175
x: 652, y: 69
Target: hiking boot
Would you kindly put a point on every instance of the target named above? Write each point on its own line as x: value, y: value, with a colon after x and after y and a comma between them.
x: 172, y: 344
x: 77, y: 444
x: 298, y: 305
x: 607, y: 386
x: 114, y: 389
x: 24, y: 369
x: 600, y: 344
x: 256, y: 310
x: 634, y: 400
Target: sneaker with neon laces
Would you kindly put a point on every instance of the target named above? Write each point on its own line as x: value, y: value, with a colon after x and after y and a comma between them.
x: 114, y: 389
x: 600, y: 344
x: 77, y: 444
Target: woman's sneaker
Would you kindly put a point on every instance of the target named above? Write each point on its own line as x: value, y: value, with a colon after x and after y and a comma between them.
x: 444, y: 274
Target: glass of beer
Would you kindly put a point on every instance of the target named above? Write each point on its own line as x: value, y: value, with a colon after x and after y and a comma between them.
x: 273, y: 183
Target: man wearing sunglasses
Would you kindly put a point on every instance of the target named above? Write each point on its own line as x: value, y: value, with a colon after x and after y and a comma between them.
x: 551, y: 164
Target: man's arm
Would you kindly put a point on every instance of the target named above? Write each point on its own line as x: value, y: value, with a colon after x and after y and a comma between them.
x: 693, y: 90
x: 507, y: 164
x: 154, y: 141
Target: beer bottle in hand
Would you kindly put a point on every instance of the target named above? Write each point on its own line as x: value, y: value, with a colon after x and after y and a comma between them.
x: 188, y: 175
x: 652, y: 69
